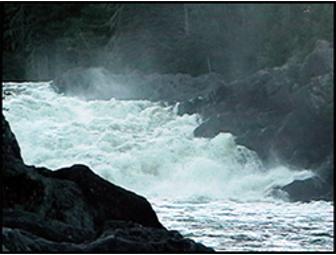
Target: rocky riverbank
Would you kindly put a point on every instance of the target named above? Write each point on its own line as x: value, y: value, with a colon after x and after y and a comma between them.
x: 285, y: 114
x: 74, y: 210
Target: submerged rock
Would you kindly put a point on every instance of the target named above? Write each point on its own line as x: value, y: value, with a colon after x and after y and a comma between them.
x: 74, y: 210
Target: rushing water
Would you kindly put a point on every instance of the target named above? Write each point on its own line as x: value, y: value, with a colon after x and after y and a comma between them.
x: 212, y: 190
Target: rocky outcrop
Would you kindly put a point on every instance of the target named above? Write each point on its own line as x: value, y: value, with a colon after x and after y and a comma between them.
x: 284, y: 114
x: 10, y: 149
x: 74, y: 210
x: 292, y: 124
x: 309, y: 189
x: 116, y: 237
x: 317, y: 187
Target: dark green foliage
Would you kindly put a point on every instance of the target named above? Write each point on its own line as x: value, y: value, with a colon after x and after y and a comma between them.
x: 43, y: 40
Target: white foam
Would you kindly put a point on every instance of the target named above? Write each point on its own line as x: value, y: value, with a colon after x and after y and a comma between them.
x: 141, y: 145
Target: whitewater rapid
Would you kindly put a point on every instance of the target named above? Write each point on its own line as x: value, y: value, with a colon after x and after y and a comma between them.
x: 140, y: 145
x: 148, y: 148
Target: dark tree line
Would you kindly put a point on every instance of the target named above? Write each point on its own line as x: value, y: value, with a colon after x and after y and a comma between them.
x: 41, y: 41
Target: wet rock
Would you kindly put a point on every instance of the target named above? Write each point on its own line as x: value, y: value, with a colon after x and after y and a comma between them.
x: 283, y: 113
x: 309, y: 189
x: 120, y: 204
x: 10, y: 149
x: 74, y: 210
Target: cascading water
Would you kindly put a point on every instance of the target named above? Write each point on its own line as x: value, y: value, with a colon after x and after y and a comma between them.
x: 212, y: 190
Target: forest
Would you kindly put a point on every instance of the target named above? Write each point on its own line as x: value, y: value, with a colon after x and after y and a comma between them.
x: 41, y: 41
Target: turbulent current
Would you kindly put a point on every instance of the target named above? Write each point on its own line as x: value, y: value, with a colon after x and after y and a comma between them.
x: 211, y: 190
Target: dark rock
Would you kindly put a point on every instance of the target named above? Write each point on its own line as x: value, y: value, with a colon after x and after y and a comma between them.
x: 10, y: 149
x: 117, y: 236
x: 74, y: 210
x: 284, y: 113
x: 318, y: 187
x: 18, y: 240
x: 23, y: 190
x: 54, y: 230
x: 251, y: 128
x: 120, y: 204
x: 41, y: 196
x: 313, y: 188
x: 127, y: 237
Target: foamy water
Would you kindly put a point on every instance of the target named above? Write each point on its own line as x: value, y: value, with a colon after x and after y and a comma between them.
x: 212, y: 190
x: 230, y: 225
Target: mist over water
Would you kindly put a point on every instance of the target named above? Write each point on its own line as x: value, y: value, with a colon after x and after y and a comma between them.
x: 213, y: 185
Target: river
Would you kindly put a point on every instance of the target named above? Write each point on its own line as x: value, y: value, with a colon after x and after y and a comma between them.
x: 211, y: 190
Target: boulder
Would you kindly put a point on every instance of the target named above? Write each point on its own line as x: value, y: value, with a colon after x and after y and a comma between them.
x: 313, y: 188
x: 119, y: 204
